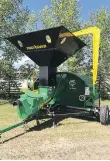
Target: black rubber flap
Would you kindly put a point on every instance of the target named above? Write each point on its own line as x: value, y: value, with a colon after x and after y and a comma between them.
x: 49, y: 47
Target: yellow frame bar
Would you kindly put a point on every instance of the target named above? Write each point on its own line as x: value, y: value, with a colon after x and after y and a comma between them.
x: 95, y: 43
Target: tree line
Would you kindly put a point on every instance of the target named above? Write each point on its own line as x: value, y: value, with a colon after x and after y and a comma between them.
x: 16, y: 19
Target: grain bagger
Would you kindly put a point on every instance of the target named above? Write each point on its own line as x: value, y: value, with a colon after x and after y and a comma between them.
x: 58, y: 93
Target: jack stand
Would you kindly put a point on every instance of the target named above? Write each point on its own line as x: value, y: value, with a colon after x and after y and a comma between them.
x: 53, y: 119
x: 37, y: 122
x: 26, y: 127
x: 1, y: 140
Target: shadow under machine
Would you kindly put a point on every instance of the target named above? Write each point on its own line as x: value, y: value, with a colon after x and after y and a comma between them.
x: 58, y: 93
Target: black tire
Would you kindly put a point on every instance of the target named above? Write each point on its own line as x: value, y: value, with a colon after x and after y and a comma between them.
x: 104, y: 115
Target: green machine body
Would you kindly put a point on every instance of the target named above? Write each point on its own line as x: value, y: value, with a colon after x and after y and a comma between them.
x: 58, y: 92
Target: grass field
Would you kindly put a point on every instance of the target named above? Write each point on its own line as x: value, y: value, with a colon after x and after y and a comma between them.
x: 72, y: 139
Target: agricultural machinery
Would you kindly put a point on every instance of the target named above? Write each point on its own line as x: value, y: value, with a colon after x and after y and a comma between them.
x: 58, y: 93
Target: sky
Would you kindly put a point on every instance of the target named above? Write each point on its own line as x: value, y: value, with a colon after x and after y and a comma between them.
x: 87, y: 6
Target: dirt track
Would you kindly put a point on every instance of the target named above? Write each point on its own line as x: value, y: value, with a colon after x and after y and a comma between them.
x: 71, y: 139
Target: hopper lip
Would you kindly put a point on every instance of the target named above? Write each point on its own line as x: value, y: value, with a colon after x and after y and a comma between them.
x: 30, y: 38
x: 60, y: 26
x: 50, y: 28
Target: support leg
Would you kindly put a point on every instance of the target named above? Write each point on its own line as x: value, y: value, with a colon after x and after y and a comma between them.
x: 26, y: 127
x: 1, y: 140
x: 53, y: 119
x: 37, y: 122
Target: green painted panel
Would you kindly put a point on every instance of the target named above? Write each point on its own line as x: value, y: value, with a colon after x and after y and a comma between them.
x: 74, y: 87
x: 31, y: 102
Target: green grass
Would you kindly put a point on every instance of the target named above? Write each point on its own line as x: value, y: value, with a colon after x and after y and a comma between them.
x: 106, y: 102
x: 72, y: 139
x: 8, y: 115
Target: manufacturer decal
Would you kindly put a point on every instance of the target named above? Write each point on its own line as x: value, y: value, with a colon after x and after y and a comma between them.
x: 82, y: 98
x: 36, y: 47
x: 87, y: 91
x: 72, y: 84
